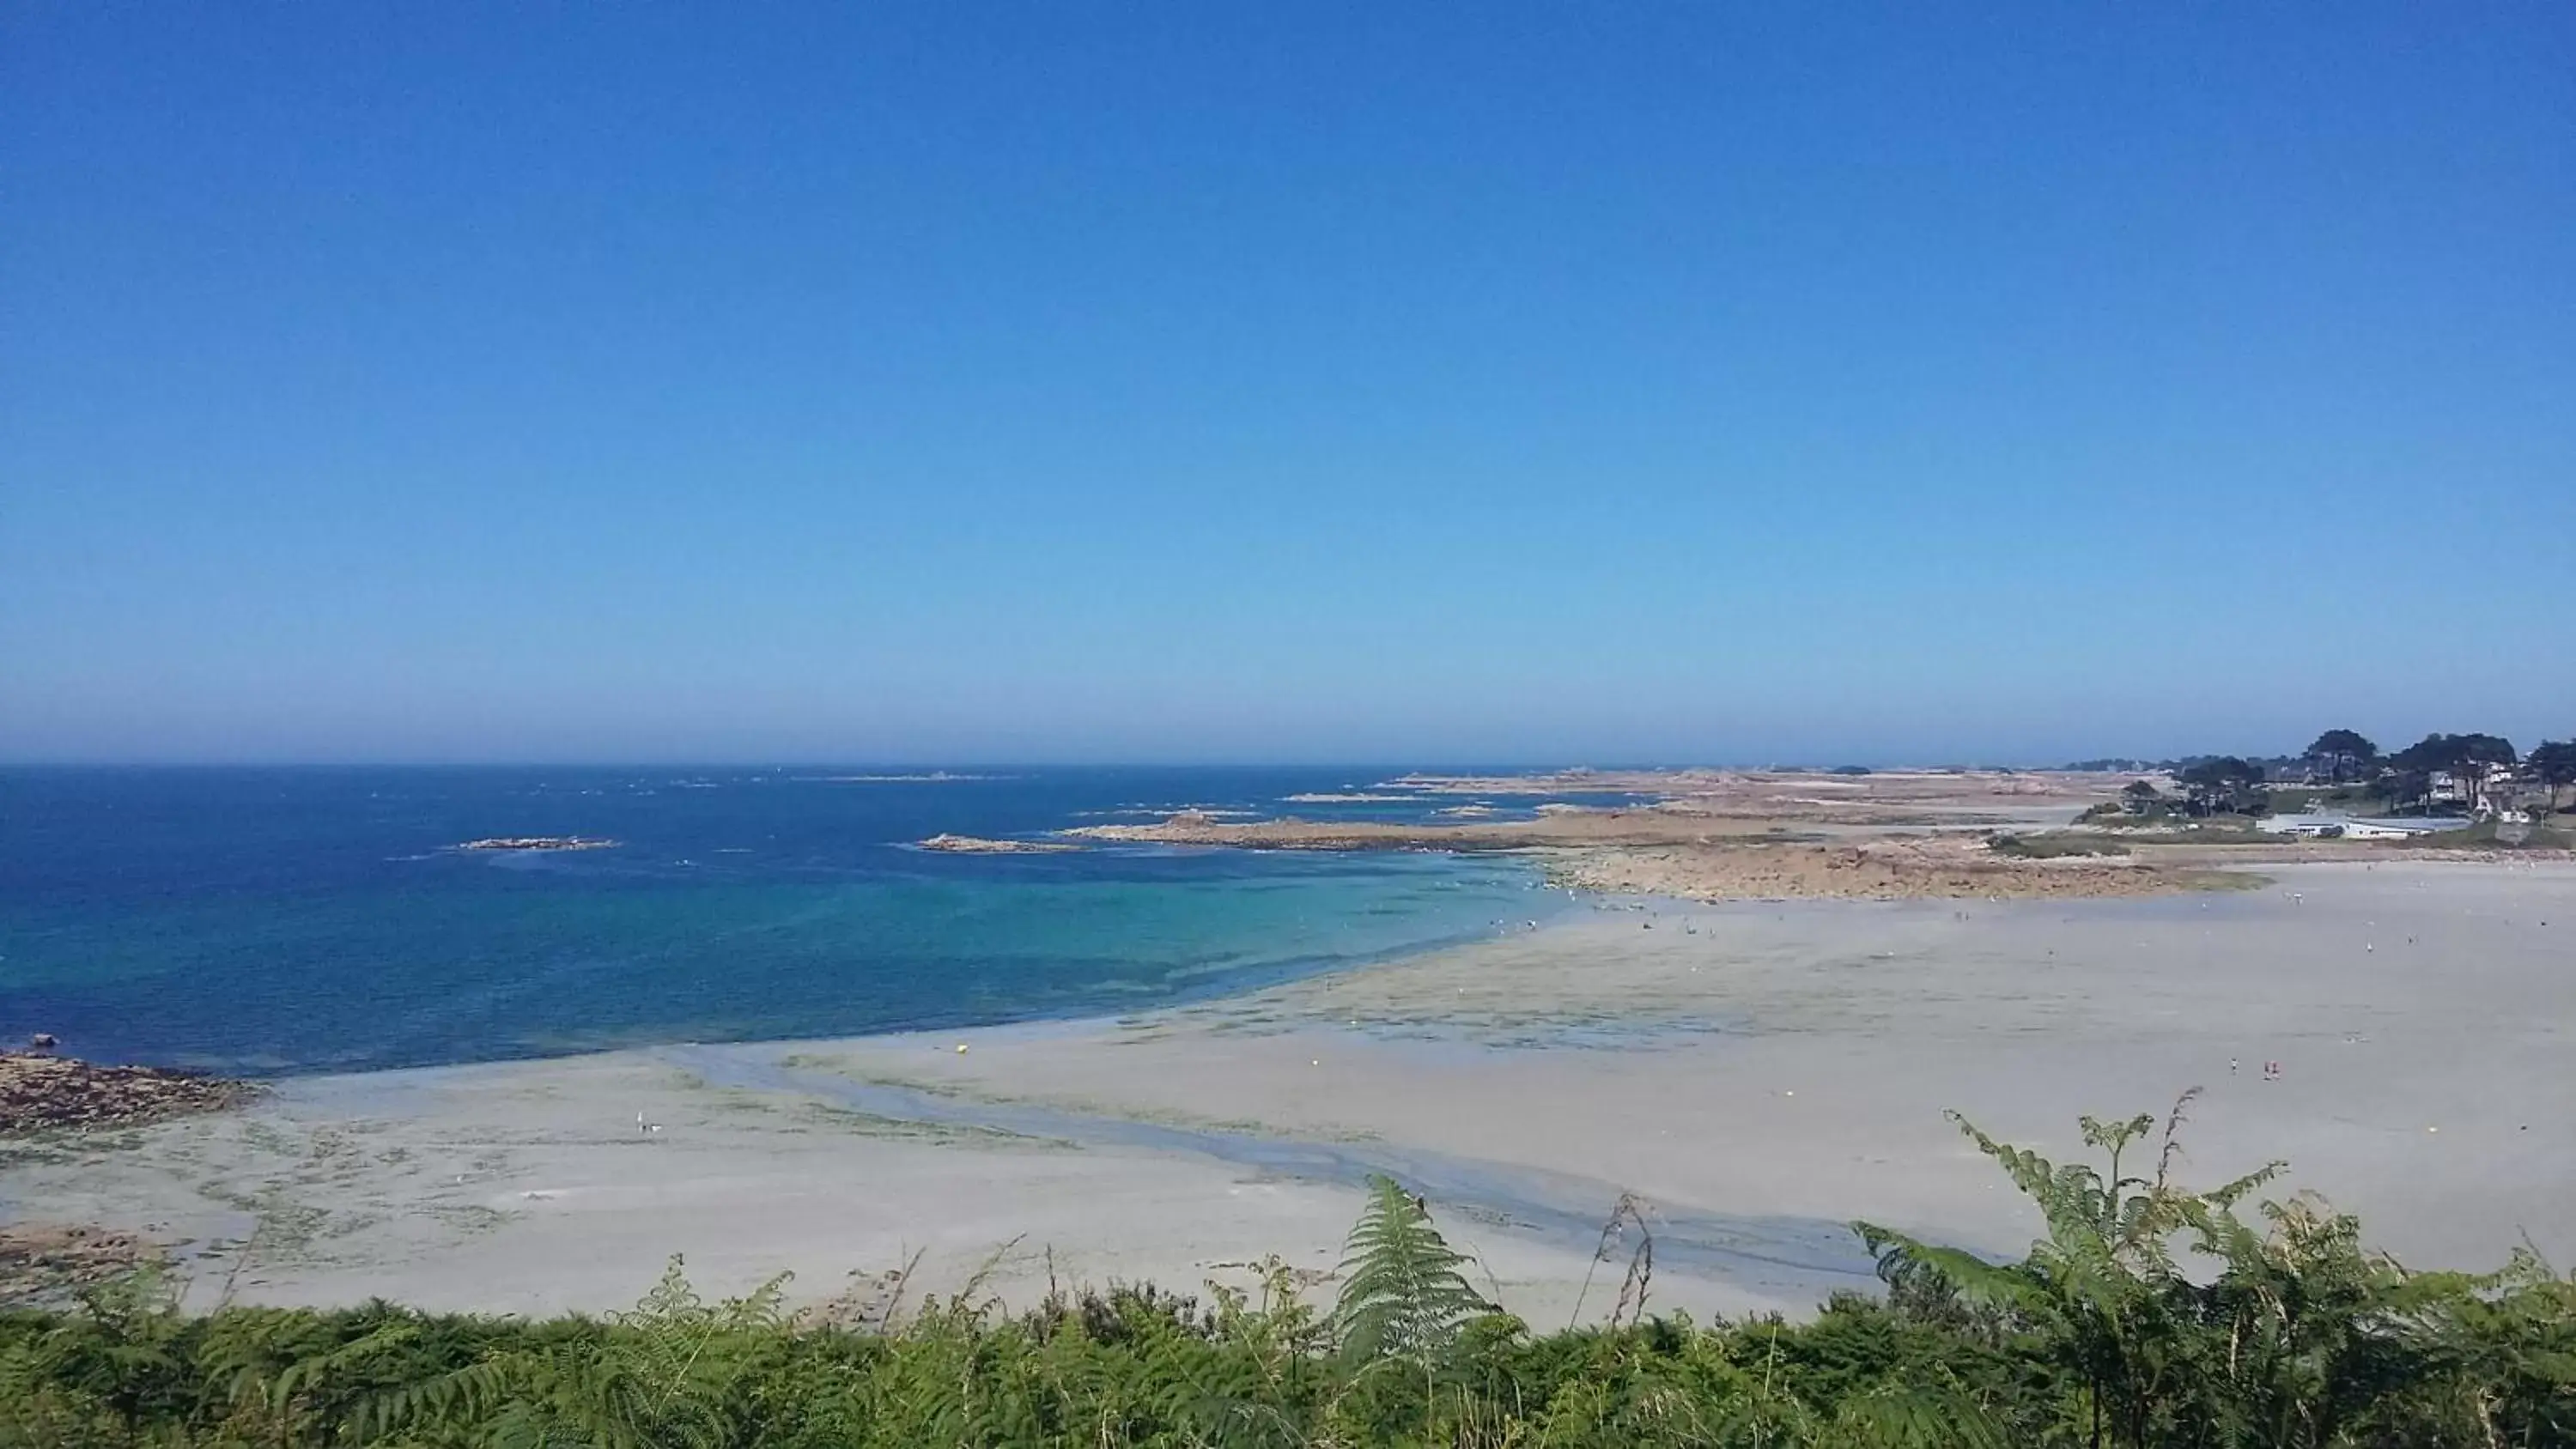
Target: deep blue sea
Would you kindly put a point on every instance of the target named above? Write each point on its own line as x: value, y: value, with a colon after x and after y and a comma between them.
x: 314, y: 919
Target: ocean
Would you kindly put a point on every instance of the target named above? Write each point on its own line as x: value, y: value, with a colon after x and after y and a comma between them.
x: 281, y: 921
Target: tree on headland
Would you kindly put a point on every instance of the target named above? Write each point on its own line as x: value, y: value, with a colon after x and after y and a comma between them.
x: 2140, y: 796
x: 2467, y: 759
x: 2406, y: 788
x: 2226, y: 784
x: 2554, y: 761
x: 2454, y: 752
x: 2342, y: 754
x: 2478, y: 750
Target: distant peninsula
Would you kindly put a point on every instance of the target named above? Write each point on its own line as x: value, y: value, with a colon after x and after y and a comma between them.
x: 934, y: 777
x: 1721, y: 835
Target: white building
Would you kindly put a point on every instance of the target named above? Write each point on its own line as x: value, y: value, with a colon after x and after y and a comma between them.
x: 2349, y: 828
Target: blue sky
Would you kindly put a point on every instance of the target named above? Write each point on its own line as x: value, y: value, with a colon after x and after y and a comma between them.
x: 448, y: 381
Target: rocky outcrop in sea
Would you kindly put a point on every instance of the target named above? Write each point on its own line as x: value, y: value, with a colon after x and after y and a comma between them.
x: 976, y: 845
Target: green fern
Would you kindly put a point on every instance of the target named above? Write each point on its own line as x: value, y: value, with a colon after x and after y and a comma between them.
x: 1403, y: 1292
x: 1895, y: 1415
x: 665, y: 1375
x: 2100, y: 1294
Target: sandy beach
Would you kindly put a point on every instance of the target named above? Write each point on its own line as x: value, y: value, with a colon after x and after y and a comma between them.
x: 1759, y: 1073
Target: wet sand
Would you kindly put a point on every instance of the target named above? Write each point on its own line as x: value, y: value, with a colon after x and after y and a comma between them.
x: 1760, y: 1073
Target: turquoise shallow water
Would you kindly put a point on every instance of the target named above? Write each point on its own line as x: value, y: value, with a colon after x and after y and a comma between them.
x: 280, y: 921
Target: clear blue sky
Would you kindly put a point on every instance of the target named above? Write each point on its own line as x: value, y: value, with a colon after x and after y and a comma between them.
x: 446, y: 381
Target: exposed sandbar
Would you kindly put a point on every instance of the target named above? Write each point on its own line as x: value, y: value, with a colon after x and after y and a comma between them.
x: 1927, y: 868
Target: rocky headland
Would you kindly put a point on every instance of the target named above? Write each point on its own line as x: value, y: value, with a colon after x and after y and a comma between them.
x: 1711, y: 835
x: 1568, y: 826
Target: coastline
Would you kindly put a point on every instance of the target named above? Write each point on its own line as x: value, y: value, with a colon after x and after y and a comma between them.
x: 1759, y: 1072
x: 1712, y: 836
x: 1715, y: 836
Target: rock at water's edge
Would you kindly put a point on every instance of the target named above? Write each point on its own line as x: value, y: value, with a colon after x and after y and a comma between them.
x: 39, y: 1092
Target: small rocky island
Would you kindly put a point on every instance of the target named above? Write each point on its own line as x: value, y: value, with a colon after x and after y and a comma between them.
x: 977, y: 845
x: 39, y: 1090
x: 537, y: 842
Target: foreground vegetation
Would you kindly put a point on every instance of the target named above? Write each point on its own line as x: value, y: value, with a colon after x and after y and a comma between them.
x: 2289, y: 1334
